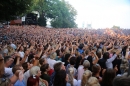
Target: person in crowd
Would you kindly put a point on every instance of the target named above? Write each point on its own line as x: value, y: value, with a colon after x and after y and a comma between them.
x: 61, y: 79
x: 96, y: 72
x: 108, y: 77
x: 44, y: 70
x: 72, y: 62
x: 80, y: 70
x: 121, y: 81
x: 57, y: 67
x: 35, y: 71
x: 92, y: 81
x: 33, y: 81
x: 71, y: 80
x: 86, y: 75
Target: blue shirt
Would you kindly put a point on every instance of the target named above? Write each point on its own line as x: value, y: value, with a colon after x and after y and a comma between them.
x: 19, y: 83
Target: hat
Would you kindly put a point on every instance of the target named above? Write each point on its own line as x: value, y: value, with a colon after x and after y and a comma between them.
x: 13, y: 46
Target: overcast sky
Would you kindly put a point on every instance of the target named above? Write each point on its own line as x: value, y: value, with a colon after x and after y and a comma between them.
x: 102, y: 13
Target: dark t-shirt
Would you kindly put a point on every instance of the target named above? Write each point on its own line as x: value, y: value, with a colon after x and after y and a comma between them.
x: 102, y: 63
x: 46, y: 77
x: 90, y: 59
x: 105, y: 84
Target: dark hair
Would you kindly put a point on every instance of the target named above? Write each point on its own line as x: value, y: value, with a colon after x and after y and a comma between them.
x: 108, y: 77
x: 25, y: 66
x: 81, y: 46
x: 32, y: 80
x: 72, y: 60
x: 58, y: 52
x: 41, y: 61
x: 44, y: 67
x: 6, y: 58
x: 60, y: 78
x: 67, y: 56
x: 15, y: 68
x: 57, y: 66
x: 95, y: 69
x: 121, y: 81
x: 106, y: 56
x: 78, y: 60
x: 87, y: 52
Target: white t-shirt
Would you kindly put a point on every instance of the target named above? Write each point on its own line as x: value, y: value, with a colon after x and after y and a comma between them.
x: 26, y: 76
x: 75, y: 82
x: 79, y: 83
x: 21, y: 54
x: 80, y: 72
x: 8, y: 72
x: 51, y: 62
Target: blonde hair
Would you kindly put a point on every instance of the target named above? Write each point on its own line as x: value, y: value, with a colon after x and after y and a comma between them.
x: 34, y: 70
x: 71, y: 75
x: 10, y: 50
x: 86, y: 75
x: 86, y: 64
x: 53, y: 55
x: 7, y: 82
x: 93, y: 81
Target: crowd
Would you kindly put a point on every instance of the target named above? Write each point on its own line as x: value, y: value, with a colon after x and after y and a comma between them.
x: 39, y: 56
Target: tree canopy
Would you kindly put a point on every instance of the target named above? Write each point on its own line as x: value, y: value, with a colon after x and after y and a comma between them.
x: 60, y: 12
x: 12, y: 8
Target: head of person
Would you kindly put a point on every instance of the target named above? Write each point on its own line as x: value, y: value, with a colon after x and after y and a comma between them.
x: 78, y: 61
x: 5, y: 82
x: 86, y: 64
x: 86, y: 75
x: 96, y: 69
x: 53, y: 55
x: 8, y: 61
x: 61, y: 78
x: 106, y: 55
x: 108, y: 76
x: 26, y: 66
x: 18, y: 71
x: 33, y: 81
x: 99, y: 53
x: 35, y: 70
x: 87, y: 52
x: 16, y: 68
x: 67, y: 56
x: 93, y: 81
x: 42, y: 61
x: 45, y: 68
x: 72, y: 60
x: 121, y: 81
x: 21, y: 48
x: 59, y: 66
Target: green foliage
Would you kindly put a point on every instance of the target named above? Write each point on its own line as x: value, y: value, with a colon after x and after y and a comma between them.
x: 42, y: 21
x: 12, y: 8
x: 116, y: 27
x: 61, y: 13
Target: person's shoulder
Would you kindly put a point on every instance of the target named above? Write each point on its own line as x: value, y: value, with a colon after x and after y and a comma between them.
x: 8, y: 68
x: 68, y: 84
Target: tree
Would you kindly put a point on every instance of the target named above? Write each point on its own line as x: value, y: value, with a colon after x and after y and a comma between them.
x: 61, y: 13
x: 9, y: 9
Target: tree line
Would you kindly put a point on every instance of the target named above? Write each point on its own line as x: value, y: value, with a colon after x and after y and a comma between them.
x: 60, y: 13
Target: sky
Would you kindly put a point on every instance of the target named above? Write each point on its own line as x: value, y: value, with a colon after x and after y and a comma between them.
x: 102, y: 13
